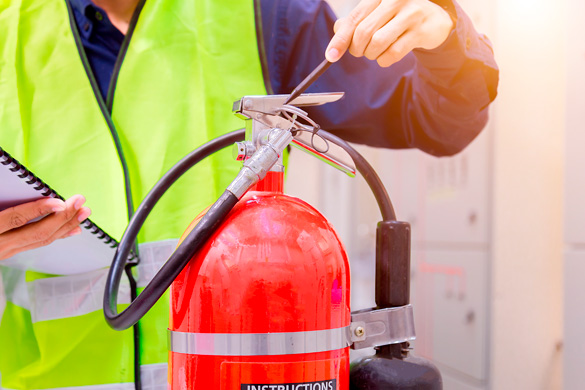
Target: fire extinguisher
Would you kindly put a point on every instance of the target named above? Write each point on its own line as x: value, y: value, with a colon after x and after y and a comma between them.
x: 260, y: 283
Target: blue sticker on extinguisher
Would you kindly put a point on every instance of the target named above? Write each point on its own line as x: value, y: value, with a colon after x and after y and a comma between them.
x: 319, y: 385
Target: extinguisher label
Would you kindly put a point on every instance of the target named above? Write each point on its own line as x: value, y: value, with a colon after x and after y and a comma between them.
x: 326, y: 374
x: 319, y: 385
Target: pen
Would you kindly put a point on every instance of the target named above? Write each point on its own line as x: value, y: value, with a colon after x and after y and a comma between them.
x: 314, y: 75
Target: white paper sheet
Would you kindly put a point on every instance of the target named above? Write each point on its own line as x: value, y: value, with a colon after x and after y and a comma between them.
x: 14, y: 190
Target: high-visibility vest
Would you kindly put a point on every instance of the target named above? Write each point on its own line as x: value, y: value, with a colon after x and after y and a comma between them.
x: 187, y: 61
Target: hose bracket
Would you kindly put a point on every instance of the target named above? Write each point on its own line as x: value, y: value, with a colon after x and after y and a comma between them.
x: 378, y: 327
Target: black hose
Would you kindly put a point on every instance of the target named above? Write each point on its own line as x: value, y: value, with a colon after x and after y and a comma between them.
x: 369, y: 174
x: 202, y: 231
x: 171, y: 269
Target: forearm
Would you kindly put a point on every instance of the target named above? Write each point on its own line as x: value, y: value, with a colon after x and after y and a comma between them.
x: 452, y: 87
x: 432, y: 100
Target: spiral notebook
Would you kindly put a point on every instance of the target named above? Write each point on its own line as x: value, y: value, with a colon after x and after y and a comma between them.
x: 92, y: 249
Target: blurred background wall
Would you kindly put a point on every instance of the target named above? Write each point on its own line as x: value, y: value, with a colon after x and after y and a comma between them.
x: 574, y: 215
x: 488, y: 244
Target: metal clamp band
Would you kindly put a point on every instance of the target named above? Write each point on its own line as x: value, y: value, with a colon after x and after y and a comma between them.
x: 374, y: 328
x: 369, y: 328
x: 259, y: 344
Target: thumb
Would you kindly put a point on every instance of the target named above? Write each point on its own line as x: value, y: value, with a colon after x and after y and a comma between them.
x: 341, y: 40
x: 345, y: 27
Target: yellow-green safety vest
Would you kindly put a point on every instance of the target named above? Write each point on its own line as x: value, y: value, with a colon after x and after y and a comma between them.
x: 184, y: 63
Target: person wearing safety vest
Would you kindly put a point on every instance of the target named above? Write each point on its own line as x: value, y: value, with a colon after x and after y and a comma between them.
x: 101, y: 98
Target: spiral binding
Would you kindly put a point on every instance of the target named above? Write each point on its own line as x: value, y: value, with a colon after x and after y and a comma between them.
x: 20, y: 170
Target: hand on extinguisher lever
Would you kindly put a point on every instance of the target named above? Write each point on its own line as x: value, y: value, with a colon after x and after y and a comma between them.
x: 387, y: 30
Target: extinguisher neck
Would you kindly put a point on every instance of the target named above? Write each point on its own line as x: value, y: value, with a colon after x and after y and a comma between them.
x: 273, y: 182
x: 393, y: 351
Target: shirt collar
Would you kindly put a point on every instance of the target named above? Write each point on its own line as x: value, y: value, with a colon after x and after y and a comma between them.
x: 81, y: 5
x: 83, y: 9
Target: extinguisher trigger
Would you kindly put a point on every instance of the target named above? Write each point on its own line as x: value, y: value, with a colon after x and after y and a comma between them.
x: 310, y: 142
x: 272, y: 111
x: 378, y: 327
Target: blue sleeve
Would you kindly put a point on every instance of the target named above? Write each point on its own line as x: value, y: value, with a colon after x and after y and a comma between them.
x: 434, y: 100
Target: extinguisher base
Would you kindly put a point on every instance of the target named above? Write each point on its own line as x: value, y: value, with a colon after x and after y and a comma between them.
x: 377, y: 373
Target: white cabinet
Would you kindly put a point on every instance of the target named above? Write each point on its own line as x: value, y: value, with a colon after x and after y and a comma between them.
x: 450, y: 296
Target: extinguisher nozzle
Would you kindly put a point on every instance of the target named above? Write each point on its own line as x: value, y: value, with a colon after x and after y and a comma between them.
x: 392, y: 264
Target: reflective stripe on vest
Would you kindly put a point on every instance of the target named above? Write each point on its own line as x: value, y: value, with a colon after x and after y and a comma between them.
x: 154, y: 377
x: 12, y: 289
x: 15, y: 290
x: 259, y: 344
x: 71, y: 296
x: 152, y: 256
x: 76, y: 295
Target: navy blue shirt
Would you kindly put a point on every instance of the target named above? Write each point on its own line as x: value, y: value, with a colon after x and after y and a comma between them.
x: 434, y: 100
x: 101, y: 40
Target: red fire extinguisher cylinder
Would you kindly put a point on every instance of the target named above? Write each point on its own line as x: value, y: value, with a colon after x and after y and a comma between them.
x: 265, y: 303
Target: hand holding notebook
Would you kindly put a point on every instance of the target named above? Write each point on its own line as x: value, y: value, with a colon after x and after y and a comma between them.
x: 20, y: 188
x: 38, y: 223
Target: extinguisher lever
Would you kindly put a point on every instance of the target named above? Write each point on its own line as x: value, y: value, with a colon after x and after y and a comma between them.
x: 268, y: 112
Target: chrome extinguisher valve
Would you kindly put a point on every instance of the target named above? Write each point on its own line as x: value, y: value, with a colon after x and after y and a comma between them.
x: 257, y: 166
x: 243, y: 150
